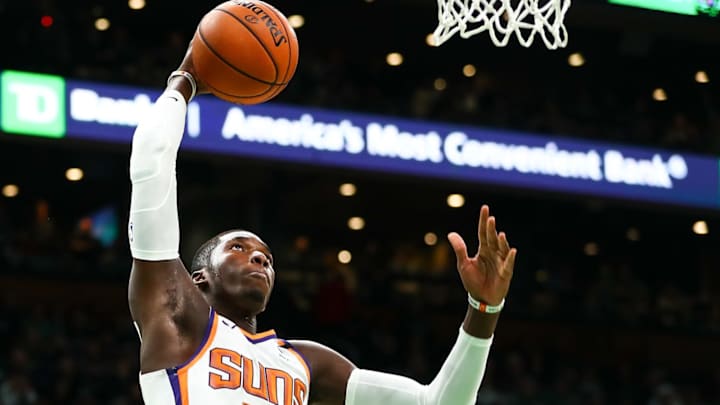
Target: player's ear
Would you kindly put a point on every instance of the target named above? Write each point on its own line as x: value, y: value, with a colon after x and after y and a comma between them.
x: 200, y: 277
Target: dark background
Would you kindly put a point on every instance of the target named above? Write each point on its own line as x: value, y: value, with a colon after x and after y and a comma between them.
x: 612, y: 302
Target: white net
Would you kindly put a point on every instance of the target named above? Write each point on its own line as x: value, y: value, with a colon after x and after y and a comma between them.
x: 502, y: 18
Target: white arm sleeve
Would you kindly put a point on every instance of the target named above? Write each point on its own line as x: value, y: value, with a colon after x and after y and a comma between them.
x: 457, y: 383
x: 153, y: 228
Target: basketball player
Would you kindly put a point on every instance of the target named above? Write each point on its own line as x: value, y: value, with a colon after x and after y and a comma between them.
x: 199, y: 343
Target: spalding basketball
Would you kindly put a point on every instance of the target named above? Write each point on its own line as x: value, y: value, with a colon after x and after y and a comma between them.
x: 246, y: 52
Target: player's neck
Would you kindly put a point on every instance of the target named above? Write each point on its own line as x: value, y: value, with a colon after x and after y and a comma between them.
x: 244, y: 320
x: 241, y: 309
x: 248, y: 324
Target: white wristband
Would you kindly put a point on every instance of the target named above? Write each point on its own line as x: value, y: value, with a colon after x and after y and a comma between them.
x: 483, y: 307
x: 189, y: 77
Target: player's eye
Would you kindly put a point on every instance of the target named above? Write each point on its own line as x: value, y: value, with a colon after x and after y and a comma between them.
x: 237, y: 246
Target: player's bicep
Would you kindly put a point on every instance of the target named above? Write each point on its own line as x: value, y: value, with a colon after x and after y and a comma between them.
x: 330, y: 372
x: 163, y: 291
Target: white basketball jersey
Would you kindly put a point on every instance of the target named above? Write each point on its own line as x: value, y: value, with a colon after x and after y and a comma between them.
x: 232, y: 367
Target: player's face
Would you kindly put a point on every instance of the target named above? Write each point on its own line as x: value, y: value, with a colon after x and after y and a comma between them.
x: 244, y: 267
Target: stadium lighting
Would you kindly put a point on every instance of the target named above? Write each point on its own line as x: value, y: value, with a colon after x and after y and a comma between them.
x: 344, y: 256
x: 348, y: 190
x: 356, y: 223
x: 576, y: 59
x: 430, y: 239
x: 296, y: 20
x: 440, y: 84
x: 102, y: 24
x: 700, y: 228
x: 10, y: 190
x: 659, y: 94
x: 394, y: 59
x: 702, y: 77
x: 430, y: 40
x: 455, y: 200
x: 469, y: 70
x: 74, y: 174
x: 136, y: 4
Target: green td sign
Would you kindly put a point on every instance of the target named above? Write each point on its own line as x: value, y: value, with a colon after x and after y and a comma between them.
x: 32, y: 104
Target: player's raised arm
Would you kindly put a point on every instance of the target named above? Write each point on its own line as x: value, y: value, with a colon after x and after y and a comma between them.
x: 169, y: 312
x: 486, y: 277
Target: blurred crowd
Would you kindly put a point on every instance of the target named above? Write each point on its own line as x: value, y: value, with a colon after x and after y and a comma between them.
x: 83, y: 349
x: 77, y: 356
x: 615, y: 328
x: 611, y: 279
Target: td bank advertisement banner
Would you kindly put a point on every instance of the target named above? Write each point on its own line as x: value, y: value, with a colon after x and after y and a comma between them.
x: 50, y: 106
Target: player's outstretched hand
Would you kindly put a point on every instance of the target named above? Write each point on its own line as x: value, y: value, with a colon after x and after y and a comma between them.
x: 187, y: 65
x: 487, y: 274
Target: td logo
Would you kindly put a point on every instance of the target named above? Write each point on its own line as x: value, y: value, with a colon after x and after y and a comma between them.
x: 32, y: 104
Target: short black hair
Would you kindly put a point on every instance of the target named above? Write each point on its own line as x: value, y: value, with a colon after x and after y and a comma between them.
x: 201, y: 259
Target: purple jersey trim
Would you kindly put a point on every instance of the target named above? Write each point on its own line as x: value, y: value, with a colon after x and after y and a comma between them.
x: 208, y: 329
x: 175, y: 384
x: 262, y: 339
x: 289, y: 345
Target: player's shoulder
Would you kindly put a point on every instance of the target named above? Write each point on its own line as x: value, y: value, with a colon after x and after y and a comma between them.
x: 305, y: 344
x: 330, y: 369
x: 317, y: 354
x: 310, y: 351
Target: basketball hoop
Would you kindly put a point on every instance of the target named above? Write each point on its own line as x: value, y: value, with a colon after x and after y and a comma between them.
x: 502, y: 19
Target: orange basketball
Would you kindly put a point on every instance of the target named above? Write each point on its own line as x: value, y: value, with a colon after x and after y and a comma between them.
x: 246, y: 52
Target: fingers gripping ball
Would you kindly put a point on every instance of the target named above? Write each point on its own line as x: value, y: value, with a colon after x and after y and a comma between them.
x: 246, y: 52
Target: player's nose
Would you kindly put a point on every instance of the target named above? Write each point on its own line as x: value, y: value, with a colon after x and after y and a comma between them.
x: 258, y: 257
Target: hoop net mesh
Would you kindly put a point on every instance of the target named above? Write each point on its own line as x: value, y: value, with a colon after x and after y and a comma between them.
x: 501, y: 18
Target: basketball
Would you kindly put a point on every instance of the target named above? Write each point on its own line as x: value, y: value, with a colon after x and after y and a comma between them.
x: 246, y: 52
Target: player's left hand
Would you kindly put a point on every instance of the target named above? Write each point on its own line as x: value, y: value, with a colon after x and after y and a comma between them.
x: 486, y: 275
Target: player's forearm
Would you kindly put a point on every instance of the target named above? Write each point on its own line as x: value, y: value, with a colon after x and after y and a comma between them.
x: 479, y: 324
x: 456, y: 383
x: 153, y: 227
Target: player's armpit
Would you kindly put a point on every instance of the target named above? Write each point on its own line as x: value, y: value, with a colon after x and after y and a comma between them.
x: 169, y: 311
x: 329, y: 372
x: 163, y: 289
